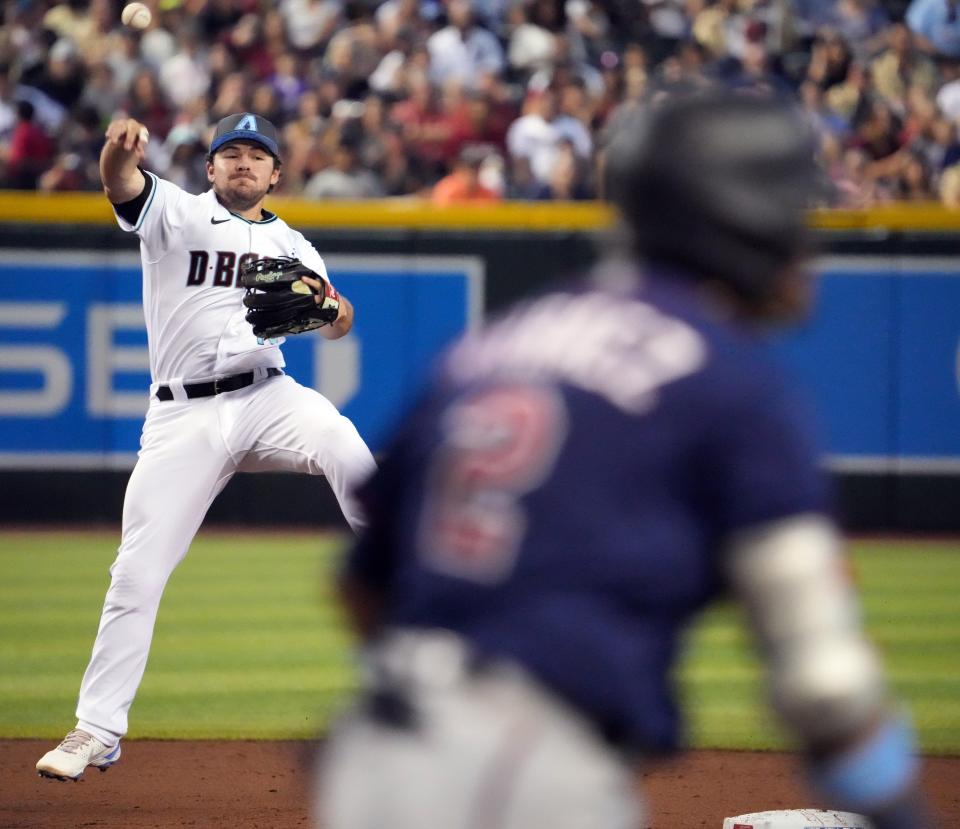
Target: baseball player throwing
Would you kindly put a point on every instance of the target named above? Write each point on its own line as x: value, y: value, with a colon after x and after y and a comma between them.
x: 219, y: 401
x: 582, y: 478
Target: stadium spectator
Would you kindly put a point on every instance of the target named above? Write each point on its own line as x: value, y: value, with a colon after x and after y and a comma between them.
x: 80, y: 144
x: 185, y: 76
x: 452, y: 72
x: 403, y: 173
x: 861, y: 23
x: 824, y: 121
x: 851, y: 96
x: 532, y: 141
x: 463, y: 49
x: 63, y: 75
x: 64, y: 19
x: 920, y: 112
x: 265, y: 101
x: 121, y: 54
x: 231, y: 97
x: 569, y: 180
x: 575, y: 116
x: 711, y: 25
x: 101, y: 91
x: 372, y: 122
x: 8, y: 107
x: 913, y: 181
x: 530, y: 46
x: 942, y: 147
x: 159, y: 43
x: 463, y: 184
x: 388, y: 77
x: 853, y: 185
x: 148, y: 104
x: 217, y: 18
x: 564, y: 68
x: 31, y: 150
x: 345, y: 178
x: 479, y: 121
x: 428, y: 127
x: 830, y: 59
x: 353, y: 52
x: 187, y: 151
x: 310, y: 23
x: 588, y: 29
x: 65, y: 174
x: 936, y: 24
x: 901, y: 66
x: 256, y: 43
x: 949, y: 190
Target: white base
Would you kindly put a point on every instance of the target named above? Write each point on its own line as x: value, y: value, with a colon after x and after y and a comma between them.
x: 798, y: 819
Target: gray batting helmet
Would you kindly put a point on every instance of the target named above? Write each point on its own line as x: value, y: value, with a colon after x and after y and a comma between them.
x: 717, y: 183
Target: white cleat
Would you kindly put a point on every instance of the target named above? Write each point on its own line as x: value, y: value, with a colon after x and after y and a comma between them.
x: 77, y: 751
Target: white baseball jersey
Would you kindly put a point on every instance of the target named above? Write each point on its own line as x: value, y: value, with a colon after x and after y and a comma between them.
x: 192, y: 249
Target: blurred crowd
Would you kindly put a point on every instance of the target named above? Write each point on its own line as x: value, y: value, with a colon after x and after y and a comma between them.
x: 455, y: 100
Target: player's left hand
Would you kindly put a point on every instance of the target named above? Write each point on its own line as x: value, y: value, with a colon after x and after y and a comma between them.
x: 322, y: 292
x: 284, y: 296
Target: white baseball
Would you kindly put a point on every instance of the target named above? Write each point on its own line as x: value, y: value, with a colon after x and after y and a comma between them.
x: 136, y: 16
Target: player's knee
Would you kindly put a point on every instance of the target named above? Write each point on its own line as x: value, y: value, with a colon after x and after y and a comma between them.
x: 347, y: 450
x: 828, y: 690
x: 135, y: 585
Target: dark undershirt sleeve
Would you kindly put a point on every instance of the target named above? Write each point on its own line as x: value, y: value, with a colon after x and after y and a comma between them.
x: 130, y: 210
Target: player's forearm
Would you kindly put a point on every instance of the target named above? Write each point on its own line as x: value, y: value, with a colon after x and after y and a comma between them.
x: 826, y: 681
x: 342, y: 324
x: 122, y: 152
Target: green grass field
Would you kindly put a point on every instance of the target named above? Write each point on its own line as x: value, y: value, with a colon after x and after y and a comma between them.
x: 248, y: 643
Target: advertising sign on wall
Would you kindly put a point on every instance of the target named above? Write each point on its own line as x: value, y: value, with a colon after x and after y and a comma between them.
x: 74, y: 370
x: 879, y: 356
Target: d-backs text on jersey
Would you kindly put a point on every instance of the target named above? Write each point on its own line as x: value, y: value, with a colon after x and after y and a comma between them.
x: 225, y: 270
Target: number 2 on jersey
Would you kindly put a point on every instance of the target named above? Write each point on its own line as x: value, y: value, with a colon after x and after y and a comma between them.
x: 498, y: 445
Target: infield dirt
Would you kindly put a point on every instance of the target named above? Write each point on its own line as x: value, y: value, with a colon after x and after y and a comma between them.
x: 265, y: 785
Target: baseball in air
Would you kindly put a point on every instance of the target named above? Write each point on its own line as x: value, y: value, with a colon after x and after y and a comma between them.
x: 136, y: 16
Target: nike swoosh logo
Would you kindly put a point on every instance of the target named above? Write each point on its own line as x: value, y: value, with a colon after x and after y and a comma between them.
x: 218, y: 221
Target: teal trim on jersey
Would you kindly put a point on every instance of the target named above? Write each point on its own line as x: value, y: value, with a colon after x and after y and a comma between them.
x: 146, y: 207
x: 271, y: 217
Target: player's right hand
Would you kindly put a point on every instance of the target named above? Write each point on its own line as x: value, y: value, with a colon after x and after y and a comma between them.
x: 129, y: 134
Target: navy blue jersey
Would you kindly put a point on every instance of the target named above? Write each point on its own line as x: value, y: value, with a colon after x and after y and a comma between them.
x: 563, y: 493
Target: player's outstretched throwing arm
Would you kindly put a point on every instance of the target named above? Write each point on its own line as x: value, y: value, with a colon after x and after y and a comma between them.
x: 122, y: 153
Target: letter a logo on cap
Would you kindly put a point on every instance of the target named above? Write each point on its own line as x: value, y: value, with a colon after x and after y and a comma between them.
x: 248, y: 122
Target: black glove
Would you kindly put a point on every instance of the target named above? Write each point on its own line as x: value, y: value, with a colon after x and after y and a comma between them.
x: 279, y: 302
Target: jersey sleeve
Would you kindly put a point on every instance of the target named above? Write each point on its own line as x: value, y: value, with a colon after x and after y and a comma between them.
x: 310, y: 257
x: 764, y: 458
x: 161, y: 217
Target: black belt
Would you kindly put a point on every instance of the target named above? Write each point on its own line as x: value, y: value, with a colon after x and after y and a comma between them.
x: 218, y: 386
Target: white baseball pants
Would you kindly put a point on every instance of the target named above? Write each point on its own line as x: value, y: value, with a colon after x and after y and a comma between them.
x: 189, y: 451
x: 491, y: 750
